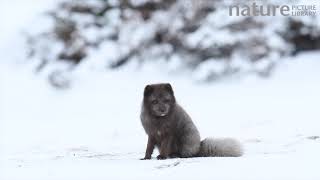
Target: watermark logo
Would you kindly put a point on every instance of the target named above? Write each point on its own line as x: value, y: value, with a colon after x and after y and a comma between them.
x: 255, y: 9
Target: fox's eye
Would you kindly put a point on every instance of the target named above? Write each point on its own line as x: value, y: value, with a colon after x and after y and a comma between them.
x: 154, y: 102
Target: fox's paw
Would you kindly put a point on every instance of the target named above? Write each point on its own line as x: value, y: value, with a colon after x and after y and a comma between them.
x: 160, y: 157
x: 146, y: 158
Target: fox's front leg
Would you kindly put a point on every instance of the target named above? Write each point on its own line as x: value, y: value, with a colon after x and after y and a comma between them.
x: 165, y: 148
x: 150, y: 148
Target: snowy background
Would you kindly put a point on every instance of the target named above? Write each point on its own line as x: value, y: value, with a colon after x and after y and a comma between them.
x: 63, y: 117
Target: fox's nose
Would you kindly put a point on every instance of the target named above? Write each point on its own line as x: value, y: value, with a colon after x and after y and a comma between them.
x: 162, y: 109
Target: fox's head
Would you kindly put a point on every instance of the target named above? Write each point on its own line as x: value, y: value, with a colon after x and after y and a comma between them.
x: 159, y: 99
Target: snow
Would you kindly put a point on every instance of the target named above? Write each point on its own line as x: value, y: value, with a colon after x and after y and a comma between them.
x: 93, y: 131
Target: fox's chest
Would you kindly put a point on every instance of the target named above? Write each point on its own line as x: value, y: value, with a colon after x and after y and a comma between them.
x: 163, y: 131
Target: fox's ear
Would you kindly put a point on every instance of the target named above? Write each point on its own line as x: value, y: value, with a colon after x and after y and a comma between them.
x: 148, y: 90
x: 169, y: 88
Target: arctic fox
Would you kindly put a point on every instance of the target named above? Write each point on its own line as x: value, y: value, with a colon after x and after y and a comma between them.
x: 171, y: 130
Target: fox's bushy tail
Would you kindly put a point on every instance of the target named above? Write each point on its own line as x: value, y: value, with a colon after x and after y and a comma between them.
x: 220, y: 147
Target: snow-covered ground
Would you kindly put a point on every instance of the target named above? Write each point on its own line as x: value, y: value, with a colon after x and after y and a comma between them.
x: 93, y: 131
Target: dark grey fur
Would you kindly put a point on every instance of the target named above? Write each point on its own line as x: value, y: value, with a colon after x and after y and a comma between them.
x: 171, y: 130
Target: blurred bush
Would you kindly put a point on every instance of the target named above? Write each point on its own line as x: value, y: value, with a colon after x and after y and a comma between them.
x: 198, y: 35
